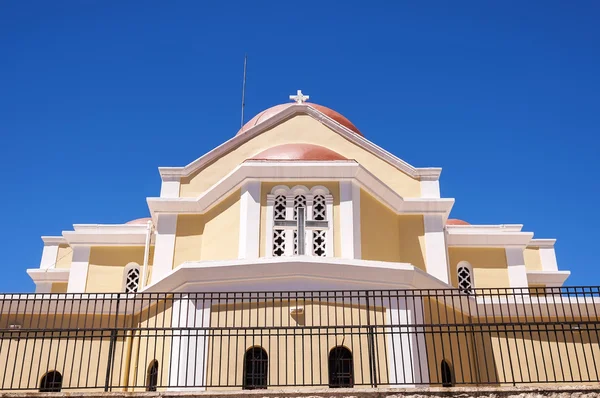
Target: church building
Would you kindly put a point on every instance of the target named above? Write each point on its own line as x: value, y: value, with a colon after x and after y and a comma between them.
x: 298, y: 253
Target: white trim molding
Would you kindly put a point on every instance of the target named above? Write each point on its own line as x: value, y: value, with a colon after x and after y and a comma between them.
x: 547, y: 253
x: 430, y: 188
x: 249, y: 242
x: 269, y: 171
x: 350, y: 235
x: 44, y: 278
x: 50, y: 253
x: 170, y: 188
x: 79, y: 269
x: 107, y: 234
x: 164, y: 248
x: 517, y: 273
x: 175, y: 173
x: 435, y: 247
x: 487, y: 236
x: 548, y: 278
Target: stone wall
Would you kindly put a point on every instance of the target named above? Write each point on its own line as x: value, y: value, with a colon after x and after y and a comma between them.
x: 590, y: 391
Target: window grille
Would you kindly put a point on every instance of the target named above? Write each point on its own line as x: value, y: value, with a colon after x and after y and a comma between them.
x: 256, y: 364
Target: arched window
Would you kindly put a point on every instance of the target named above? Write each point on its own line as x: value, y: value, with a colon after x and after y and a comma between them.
x: 152, y: 376
x: 447, y: 379
x: 256, y: 365
x: 131, y: 278
x: 302, y: 221
x: 51, y: 382
x: 464, y: 272
x: 341, y: 368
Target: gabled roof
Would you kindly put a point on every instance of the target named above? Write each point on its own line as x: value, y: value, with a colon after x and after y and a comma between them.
x: 175, y: 173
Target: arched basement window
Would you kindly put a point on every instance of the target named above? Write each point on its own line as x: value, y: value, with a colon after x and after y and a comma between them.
x: 51, y: 382
x: 341, y: 368
x: 131, y: 278
x: 464, y: 272
x: 447, y: 379
x: 256, y: 365
x: 152, y: 376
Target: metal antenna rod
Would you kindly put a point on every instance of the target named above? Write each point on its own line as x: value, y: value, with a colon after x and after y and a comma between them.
x: 244, y: 90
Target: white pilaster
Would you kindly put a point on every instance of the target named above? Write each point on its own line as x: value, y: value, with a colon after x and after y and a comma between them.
x: 517, y: 274
x: 289, y: 233
x: 407, y: 355
x: 350, y: 219
x: 435, y: 247
x: 169, y: 189
x: 79, y: 269
x: 249, y: 220
x: 49, y: 255
x: 329, y: 234
x: 164, y: 248
x: 548, y: 259
x: 43, y: 287
x: 430, y: 189
x: 189, y: 348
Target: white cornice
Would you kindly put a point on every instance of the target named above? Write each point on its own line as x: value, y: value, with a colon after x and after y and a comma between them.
x: 548, y: 278
x: 294, y: 170
x: 483, y: 238
x: 52, y: 275
x: 175, y: 173
x: 54, y: 240
x: 542, y: 243
x: 485, y: 228
x: 107, y: 234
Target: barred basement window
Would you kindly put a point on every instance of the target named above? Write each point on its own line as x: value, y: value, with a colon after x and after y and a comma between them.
x: 279, y: 210
x: 464, y: 273
x: 447, y: 379
x: 341, y: 368
x: 51, y: 382
x: 256, y: 365
x: 152, y: 376
x: 131, y: 275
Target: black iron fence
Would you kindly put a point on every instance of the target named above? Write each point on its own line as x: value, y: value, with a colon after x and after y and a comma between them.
x: 221, y: 340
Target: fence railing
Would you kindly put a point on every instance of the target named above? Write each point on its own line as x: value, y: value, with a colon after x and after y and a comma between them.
x: 236, y: 340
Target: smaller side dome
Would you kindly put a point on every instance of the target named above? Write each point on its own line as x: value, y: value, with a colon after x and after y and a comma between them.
x: 298, y: 152
x: 456, y: 221
x: 139, y: 221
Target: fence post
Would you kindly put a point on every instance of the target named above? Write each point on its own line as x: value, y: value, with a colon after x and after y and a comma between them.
x: 371, y: 345
x: 112, y: 347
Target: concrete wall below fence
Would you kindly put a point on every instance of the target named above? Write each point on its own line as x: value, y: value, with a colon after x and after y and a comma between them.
x: 592, y: 391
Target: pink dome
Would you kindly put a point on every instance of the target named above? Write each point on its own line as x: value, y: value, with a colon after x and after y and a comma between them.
x: 456, y: 221
x: 269, y: 113
x: 298, y: 152
x: 139, y: 220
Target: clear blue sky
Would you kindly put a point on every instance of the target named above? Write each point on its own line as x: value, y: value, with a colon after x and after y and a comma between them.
x: 96, y: 95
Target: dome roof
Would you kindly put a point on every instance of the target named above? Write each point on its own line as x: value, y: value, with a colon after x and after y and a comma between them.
x: 139, y: 220
x: 272, y: 111
x: 456, y: 221
x: 298, y: 152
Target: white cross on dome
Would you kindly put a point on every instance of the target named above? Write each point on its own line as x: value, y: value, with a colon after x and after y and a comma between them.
x: 299, y: 98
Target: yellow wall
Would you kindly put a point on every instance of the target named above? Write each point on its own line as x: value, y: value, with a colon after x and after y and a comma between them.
x: 299, y: 129
x: 210, y: 236
x: 533, y: 261
x: 489, y: 265
x: 105, y: 271
x: 294, y: 357
x: 59, y: 287
x: 386, y: 236
x: 64, y: 256
x: 334, y: 189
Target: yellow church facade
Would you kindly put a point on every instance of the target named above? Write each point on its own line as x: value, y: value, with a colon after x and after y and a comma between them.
x: 297, y: 253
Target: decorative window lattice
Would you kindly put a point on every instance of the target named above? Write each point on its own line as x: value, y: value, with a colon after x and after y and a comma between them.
x: 279, y: 208
x: 133, y: 280
x: 319, y: 208
x: 295, y: 241
x: 299, y: 201
x: 278, y: 242
x: 319, y: 243
x: 465, y: 281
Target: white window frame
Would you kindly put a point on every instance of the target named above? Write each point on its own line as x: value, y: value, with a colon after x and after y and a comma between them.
x: 469, y: 267
x: 126, y: 270
x: 290, y: 194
